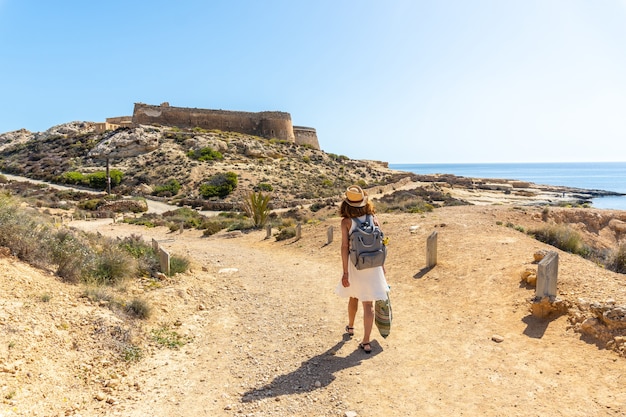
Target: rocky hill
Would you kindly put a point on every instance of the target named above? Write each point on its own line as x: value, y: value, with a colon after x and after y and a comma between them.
x: 150, y: 157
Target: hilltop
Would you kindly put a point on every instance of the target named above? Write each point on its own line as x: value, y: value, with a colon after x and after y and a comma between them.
x: 152, y: 156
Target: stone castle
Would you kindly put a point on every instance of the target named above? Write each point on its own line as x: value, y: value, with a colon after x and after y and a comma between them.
x: 267, y: 124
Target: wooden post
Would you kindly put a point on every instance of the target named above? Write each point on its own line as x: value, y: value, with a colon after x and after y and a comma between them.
x: 329, y: 235
x: 298, y: 231
x: 164, y: 261
x: 547, y: 272
x: 155, y: 245
x: 431, y: 250
x: 108, y: 178
x: 268, y: 231
x: 182, y: 227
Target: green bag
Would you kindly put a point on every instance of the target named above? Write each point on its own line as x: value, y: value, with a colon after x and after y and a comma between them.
x: 383, y: 316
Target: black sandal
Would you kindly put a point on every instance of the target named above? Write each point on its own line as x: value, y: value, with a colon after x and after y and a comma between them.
x: 350, y: 330
x: 362, y: 346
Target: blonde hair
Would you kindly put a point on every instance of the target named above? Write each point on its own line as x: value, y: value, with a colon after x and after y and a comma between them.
x: 348, y: 211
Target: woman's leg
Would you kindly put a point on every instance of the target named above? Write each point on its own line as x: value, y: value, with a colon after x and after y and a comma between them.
x: 368, y: 321
x: 353, y: 307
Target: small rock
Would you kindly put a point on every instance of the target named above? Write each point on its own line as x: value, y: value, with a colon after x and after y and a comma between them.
x: 318, y: 384
x: 100, y: 396
x: 350, y: 414
x: 539, y: 255
x: 497, y: 338
x: 112, y: 383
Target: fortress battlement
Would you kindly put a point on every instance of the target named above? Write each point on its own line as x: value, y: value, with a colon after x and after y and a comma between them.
x: 267, y: 124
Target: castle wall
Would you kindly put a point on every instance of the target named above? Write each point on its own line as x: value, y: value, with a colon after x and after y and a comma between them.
x: 265, y: 124
x: 306, y: 136
x: 121, y: 120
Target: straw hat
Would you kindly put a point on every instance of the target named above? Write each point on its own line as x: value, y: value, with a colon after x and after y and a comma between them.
x: 355, y: 196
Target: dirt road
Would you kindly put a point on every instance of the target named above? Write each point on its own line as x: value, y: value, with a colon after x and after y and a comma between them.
x: 268, y: 330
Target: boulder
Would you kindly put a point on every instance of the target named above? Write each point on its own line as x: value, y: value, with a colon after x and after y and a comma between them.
x: 617, y: 226
x: 127, y: 143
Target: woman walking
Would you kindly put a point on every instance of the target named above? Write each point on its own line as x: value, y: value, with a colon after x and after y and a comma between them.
x: 365, y: 285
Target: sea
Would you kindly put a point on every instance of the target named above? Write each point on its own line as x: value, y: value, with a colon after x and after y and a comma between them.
x: 606, y: 176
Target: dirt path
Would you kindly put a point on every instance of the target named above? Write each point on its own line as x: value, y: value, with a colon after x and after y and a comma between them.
x: 268, y: 330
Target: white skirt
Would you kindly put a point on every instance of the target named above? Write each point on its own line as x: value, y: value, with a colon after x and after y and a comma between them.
x: 365, y: 284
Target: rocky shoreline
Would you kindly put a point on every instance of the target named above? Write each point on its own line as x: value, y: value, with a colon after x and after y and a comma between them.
x: 483, y: 191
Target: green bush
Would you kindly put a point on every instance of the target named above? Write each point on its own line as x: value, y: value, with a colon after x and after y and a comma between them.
x: 264, y: 187
x: 240, y: 224
x: 147, y: 259
x: 171, y: 188
x: 98, y: 180
x: 73, y: 177
x: 338, y: 158
x: 116, y: 177
x: 189, y: 218
x: 146, y: 220
x: 315, y: 207
x: 178, y: 265
x: 91, y: 204
x: 219, y: 185
x: 205, y: 154
x: 212, y: 227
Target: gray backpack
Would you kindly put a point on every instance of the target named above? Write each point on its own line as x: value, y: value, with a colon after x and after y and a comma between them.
x: 367, y: 249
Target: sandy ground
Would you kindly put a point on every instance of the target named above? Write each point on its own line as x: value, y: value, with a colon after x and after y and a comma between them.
x: 266, y: 330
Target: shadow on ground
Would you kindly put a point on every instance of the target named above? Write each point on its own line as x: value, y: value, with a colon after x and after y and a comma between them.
x: 314, y: 373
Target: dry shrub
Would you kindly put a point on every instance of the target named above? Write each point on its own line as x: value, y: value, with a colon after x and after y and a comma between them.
x: 617, y: 261
x: 564, y: 238
x: 113, y: 265
x: 139, y: 308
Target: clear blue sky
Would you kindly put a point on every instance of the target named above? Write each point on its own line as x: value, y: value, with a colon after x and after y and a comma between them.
x: 400, y: 81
